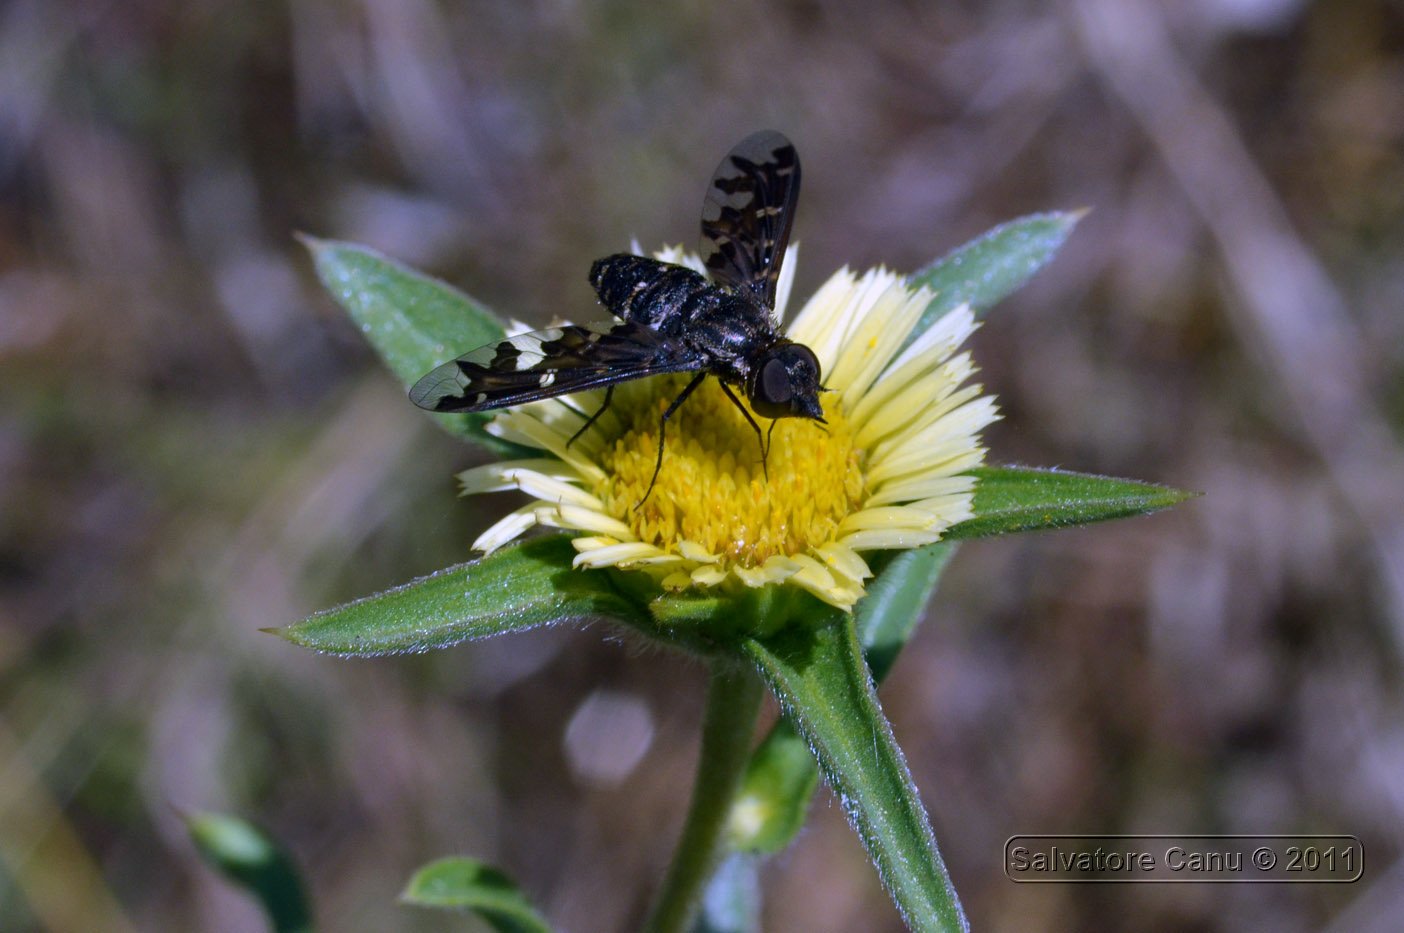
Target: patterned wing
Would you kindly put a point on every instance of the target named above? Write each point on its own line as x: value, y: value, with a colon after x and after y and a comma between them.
x: 748, y: 211
x: 547, y: 363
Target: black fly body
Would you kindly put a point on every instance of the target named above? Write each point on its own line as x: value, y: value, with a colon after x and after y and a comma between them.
x: 670, y: 319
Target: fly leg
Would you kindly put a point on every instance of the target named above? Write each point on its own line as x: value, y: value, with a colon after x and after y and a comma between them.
x: 609, y: 394
x: 760, y: 438
x: 662, y: 426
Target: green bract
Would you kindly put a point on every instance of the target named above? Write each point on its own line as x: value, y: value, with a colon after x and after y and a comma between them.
x: 821, y: 663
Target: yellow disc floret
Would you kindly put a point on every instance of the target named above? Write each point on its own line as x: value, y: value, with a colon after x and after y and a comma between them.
x: 712, y: 489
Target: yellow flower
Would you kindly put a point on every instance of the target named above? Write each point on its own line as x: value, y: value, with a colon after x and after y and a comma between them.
x: 887, y: 471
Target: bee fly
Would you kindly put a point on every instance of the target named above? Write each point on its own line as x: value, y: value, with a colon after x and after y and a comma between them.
x: 670, y: 318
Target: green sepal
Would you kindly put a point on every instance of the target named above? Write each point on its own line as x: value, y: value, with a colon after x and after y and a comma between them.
x: 1013, y: 499
x: 522, y: 586
x: 994, y: 264
x: 414, y: 321
x: 711, y: 621
x: 254, y: 860
x: 458, y: 883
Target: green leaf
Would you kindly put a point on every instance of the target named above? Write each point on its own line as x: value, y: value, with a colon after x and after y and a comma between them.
x: 771, y: 807
x: 897, y: 596
x: 1010, y: 499
x: 251, y: 858
x: 991, y: 266
x: 414, y: 321
x: 467, y: 884
x: 519, y: 587
x: 817, y: 672
x: 781, y: 778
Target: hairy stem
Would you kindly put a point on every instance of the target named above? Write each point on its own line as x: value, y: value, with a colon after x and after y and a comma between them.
x: 733, y: 699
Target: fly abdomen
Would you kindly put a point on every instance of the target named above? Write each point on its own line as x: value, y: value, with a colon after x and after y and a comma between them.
x: 644, y: 290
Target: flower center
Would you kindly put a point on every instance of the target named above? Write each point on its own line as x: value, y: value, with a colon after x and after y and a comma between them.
x: 712, y: 490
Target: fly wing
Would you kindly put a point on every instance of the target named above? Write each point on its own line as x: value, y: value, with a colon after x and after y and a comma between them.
x: 748, y: 212
x: 551, y: 362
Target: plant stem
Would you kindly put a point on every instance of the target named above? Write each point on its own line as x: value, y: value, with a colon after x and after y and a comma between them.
x: 733, y: 699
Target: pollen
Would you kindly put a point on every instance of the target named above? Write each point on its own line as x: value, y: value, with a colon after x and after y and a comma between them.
x: 713, y: 491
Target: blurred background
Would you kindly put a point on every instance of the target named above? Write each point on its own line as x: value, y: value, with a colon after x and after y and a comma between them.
x: 194, y: 443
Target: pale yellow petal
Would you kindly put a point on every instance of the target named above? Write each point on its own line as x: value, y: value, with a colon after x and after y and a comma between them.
x: 845, y: 563
x: 533, y: 484
x: 919, y: 388
x: 496, y: 477
x: 590, y: 542
x: 628, y: 552
x: 812, y: 571
x: 554, y: 490
x: 878, y: 539
x: 849, y: 318
x: 948, y: 510
x: 940, y: 339
x: 709, y: 575
x: 786, y: 281
x: 577, y: 518
x: 876, y: 339
x: 522, y: 428
x: 821, y: 322
x: 817, y: 579
x: 920, y: 486
x: 678, y: 257
x: 963, y: 421
x: 695, y: 552
x: 508, y: 529
x: 756, y: 577
x: 951, y: 458
x: 886, y: 516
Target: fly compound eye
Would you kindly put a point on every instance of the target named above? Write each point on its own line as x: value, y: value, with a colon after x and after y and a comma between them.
x: 809, y: 361
x: 775, y: 383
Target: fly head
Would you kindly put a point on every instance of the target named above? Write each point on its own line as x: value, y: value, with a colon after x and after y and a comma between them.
x: 783, y: 382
